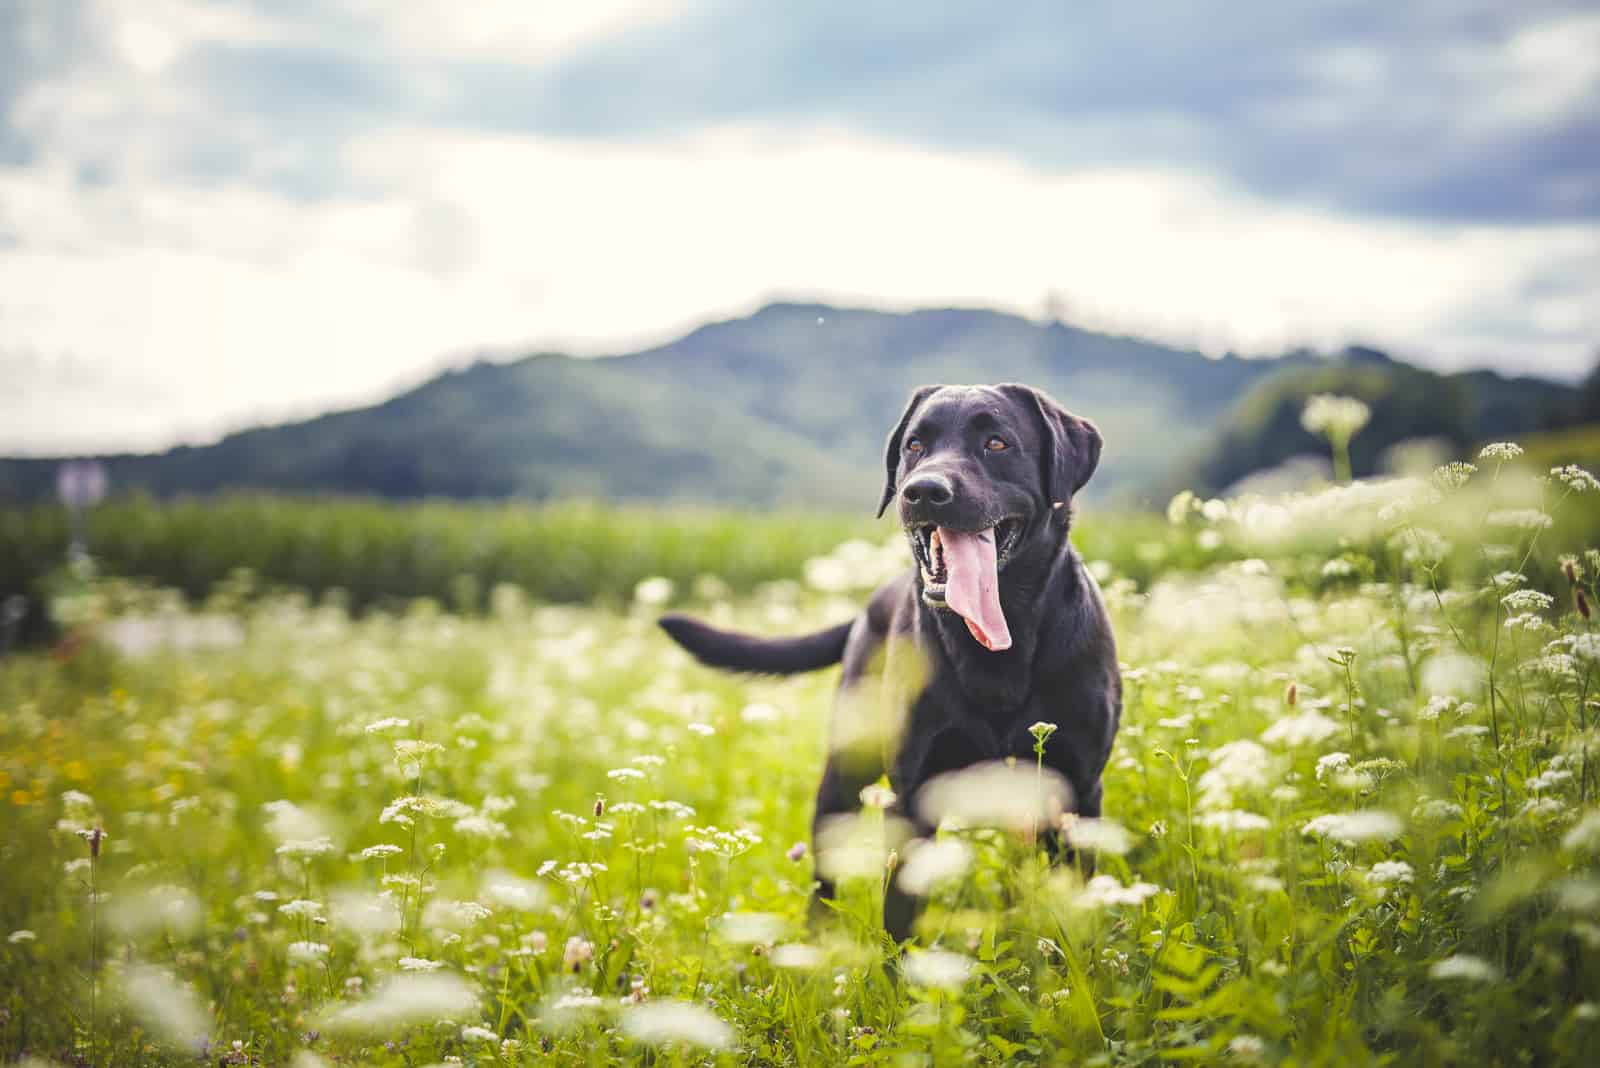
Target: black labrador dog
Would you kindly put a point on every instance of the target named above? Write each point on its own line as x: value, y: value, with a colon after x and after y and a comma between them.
x: 1007, y: 623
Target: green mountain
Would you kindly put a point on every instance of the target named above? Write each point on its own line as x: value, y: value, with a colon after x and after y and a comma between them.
x: 1407, y: 403
x: 787, y: 406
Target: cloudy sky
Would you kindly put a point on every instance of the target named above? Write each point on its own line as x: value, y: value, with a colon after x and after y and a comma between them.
x: 216, y: 213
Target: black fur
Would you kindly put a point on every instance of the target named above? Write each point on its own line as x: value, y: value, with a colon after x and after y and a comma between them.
x: 764, y: 656
x: 969, y: 704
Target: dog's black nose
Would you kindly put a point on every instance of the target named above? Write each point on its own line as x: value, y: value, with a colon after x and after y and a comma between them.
x: 930, y: 488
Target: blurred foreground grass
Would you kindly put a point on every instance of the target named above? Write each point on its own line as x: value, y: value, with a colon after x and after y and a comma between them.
x: 1352, y: 820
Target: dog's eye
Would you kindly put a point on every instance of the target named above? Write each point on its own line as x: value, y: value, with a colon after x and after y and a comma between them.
x: 913, y: 445
x: 995, y: 444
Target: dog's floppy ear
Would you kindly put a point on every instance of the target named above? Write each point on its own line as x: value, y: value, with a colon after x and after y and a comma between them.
x: 1070, y: 445
x: 891, y: 453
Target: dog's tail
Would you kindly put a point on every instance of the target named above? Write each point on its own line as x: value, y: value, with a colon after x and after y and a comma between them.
x: 763, y: 656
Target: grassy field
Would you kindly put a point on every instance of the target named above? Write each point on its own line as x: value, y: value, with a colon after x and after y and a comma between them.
x: 1351, y: 819
x: 386, y: 554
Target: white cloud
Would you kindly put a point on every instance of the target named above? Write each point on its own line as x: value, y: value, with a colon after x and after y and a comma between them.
x: 506, y: 30
x: 231, y: 303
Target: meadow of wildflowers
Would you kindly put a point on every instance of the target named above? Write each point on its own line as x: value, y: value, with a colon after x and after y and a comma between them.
x: 1351, y: 818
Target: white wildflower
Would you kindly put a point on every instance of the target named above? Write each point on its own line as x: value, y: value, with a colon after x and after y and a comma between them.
x: 1233, y: 821
x: 653, y: 592
x: 995, y: 794
x: 1391, y: 872
x: 937, y: 968
x: 797, y: 957
x: 1104, y: 891
x: 876, y: 795
x: 660, y: 1022
x: 1246, y: 1048
x: 1305, y: 728
x: 1236, y: 768
x: 407, y: 998
x: 1368, y: 825
x: 1334, y: 417
x: 306, y: 952
x: 419, y: 964
x: 1500, y: 450
x: 1576, y: 478
x: 389, y: 723
x: 1099, y: 836
x: 1527, y: 601
x: 931, y: 864
x: 751, y: 928
x: 1519, y: 519
x: 1464, y: 966
x: 300, y: 908
x: 1584, y: 837
x: 481, y: 827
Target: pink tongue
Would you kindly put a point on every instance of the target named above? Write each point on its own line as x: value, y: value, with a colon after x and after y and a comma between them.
x: 972, y: 589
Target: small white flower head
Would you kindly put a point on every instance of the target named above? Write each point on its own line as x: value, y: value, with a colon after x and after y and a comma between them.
x: 653, y: 592
x: 483, y: 827
x: 1453, y: 475
x: 513, y: 892
x: 1237, y: 767
x: 1500, y: 450
x: 165, y: 1004
x: 390, y: 723
x: 1584, y: 837
x: 877, y: 796
x: 1433, y: 810
x: 1303, y: 728
x: 1042, y: 731
x: 1181, y: 507
x: 409, y: 754
x: 407, y: 998
x: 1367, y: 825
x: 1100, y: 836
x: 937, y: 969
x: 704, y: 730
x: 1391, y: 872
x: 624, y: 774
x: 1330, y: 763
x: 300, y: 908
x: 1010, y: 796
x: 1464, y: 966
x: 797, y: 957
x: 18, y: 937
x: 659, y: 1022
x: 1233, y: 821
x: 307, y: 952
x: 1246, y: 1048
x: 760, y: 713
x: 751, y: 928
x: 579, y: 951
x: 1334, y: 417
x: 478, y: 1033
x: 1519, y: 519
x: 306, y: 848
x: 419, y: 964
x: 1104, y: 891
x: 1575, y: 478
x: 382, y: 851
x: 931, y: 864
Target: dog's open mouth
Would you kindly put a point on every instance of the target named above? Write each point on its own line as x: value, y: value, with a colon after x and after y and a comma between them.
x: 960, y: 571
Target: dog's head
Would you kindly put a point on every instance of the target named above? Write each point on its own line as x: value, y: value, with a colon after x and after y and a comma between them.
x: 983, y: 476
